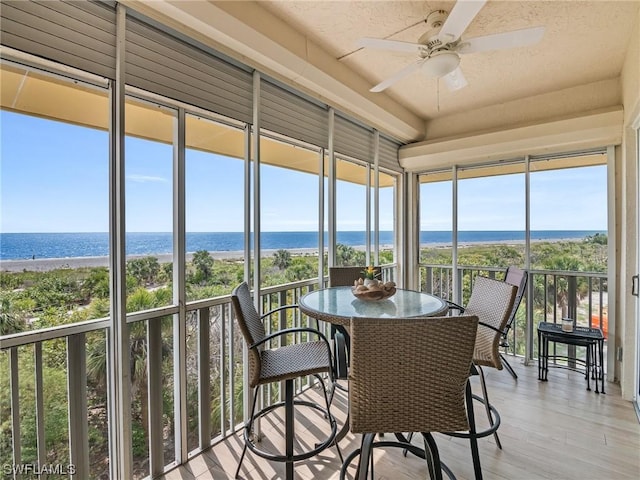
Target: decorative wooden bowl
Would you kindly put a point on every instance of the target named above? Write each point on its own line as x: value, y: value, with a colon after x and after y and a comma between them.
x: 373, y: 294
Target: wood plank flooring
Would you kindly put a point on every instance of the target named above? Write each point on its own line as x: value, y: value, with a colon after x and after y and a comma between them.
x: 550, y: 430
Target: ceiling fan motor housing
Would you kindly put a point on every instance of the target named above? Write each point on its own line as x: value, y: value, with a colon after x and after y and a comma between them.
x: 434, y: 20
x: 440, y: 60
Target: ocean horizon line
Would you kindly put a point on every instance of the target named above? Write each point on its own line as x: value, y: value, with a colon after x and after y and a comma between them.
x: 21, y: 246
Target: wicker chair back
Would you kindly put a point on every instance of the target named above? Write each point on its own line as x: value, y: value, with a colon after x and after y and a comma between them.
x: 251, y: 327
x: 492, y: 302
x: 517, y: 277
x: 410, y: 374
x: 345, y: 276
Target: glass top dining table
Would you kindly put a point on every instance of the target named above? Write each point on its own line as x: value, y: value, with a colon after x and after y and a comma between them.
x: 338, y: 305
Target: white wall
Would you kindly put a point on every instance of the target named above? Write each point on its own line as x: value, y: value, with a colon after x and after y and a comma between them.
x: 589, y: 130
x: 627, y: 321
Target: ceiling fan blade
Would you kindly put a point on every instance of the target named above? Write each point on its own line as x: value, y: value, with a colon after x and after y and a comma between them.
x: 501, y: 41
x: 394, y: 45
x: 462, y: 13
x: 406, y: 71
x: 455, y: 80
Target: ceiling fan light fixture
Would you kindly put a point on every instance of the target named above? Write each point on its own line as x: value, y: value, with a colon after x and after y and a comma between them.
x: 441, y: 63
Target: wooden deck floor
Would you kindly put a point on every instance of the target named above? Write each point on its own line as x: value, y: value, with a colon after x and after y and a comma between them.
x: 555, y: 430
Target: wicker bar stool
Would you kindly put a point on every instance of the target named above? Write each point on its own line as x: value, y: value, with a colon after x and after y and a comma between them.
x: 409, y: 375
x: 492, y: 302
x: 281, y: 364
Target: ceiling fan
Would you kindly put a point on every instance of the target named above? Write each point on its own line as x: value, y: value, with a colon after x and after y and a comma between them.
x: 440, y: 47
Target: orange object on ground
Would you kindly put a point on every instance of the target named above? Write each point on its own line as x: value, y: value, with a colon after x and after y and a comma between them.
x: 595, y: 323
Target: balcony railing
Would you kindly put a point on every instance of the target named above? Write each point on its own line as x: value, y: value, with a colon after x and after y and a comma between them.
x: 550, y: 296
x: 212, y: 376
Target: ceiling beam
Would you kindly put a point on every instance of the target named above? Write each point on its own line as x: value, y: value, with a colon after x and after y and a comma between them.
x: 598, y: 129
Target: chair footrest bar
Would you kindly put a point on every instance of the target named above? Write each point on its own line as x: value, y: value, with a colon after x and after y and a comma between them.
x: 405, y: 445
x: 300, y: 456
x: 482, y: 433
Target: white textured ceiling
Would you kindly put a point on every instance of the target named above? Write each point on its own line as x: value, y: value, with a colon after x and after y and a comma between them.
x: 584, y: 42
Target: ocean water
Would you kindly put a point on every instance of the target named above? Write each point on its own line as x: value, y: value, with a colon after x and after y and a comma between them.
x: 19, y: 246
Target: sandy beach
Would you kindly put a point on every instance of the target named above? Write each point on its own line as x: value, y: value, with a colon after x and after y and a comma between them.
x: 46, y: 264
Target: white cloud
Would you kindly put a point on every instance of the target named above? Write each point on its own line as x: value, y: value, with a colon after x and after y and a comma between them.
x: 145, y: 178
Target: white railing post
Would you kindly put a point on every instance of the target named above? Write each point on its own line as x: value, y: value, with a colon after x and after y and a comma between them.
x: 228, y: 350
x: 204, y: 378
x: 15, y: 406
x: 37, y: 354
x: 154, y: 377
x: 78, y: 411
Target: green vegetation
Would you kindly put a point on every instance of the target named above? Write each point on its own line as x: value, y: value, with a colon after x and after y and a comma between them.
x: 551, y: 292
x: 32, y: 300
x: 588, y: 255
x: 282, y: 259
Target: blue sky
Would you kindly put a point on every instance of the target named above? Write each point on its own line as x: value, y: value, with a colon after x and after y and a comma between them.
x: 54, y: 179
x: 570, y: 199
